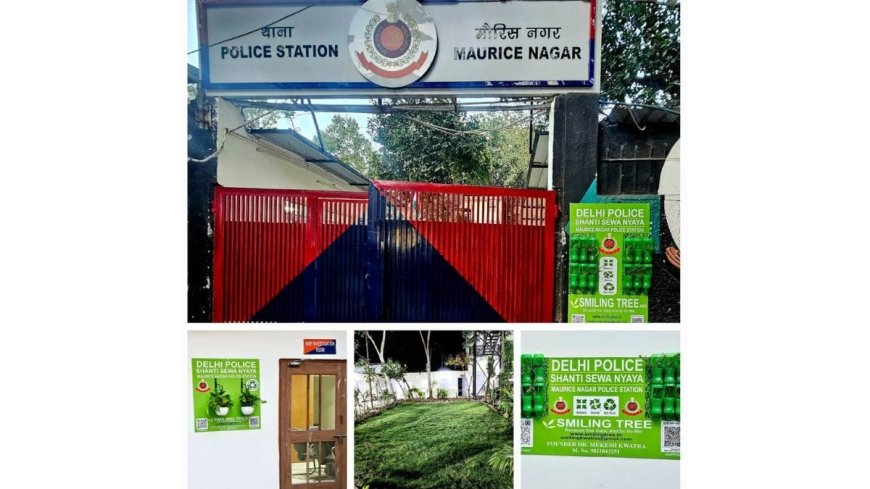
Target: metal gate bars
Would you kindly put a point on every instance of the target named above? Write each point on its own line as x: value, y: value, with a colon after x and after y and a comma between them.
x: 460, y: 253
x: 288, y: 255
x: 404, y: 252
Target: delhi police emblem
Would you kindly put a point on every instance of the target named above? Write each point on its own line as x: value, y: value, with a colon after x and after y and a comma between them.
x: 392, y: 42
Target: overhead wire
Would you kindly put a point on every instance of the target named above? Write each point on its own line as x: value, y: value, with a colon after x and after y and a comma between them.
x: 456, y: 132
x: 253, y: 31
x: 230, y: 131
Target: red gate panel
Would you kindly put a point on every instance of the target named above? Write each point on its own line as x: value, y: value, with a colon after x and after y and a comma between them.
x: 265, y: 238
x: 501, y: 241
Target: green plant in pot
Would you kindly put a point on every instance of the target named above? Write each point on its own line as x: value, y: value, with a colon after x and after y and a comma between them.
x: 219, y: 401
x: 247, y: 401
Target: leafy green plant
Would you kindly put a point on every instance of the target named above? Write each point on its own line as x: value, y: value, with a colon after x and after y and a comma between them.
x: 248, y: 398
x: 219, y: 398
x: 396, y: 371
x: 503, y: 460
x: 506, y: 403
x: 416, y: 393
x: 442, y: 393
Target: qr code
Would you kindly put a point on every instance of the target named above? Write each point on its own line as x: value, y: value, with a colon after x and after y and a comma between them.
x: 578, y: 318
x: 254, y: 422
x: 526, y: 433
x: 637, y: 319
x: 671, y: 436
x: 201, y: 424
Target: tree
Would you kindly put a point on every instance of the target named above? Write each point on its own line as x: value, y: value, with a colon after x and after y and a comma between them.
x: 506, y: 377
x: 641, y: 52
x: 469, y: 341
x: 369, y: 374
x: 342, y: 137
x: 508, y: 145
x: 380, y: 353
x: 425, y: 146
x: 426, y: 348
x: 461, y: 361
x: 396, y: 371
x: 266, y: 118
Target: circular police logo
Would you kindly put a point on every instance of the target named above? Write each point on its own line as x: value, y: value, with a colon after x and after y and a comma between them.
x: 392, y: 42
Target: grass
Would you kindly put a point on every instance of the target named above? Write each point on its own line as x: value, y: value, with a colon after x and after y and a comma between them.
x: 431, y: 445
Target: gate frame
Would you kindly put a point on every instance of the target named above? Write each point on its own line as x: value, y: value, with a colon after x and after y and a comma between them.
x: 373, y: 279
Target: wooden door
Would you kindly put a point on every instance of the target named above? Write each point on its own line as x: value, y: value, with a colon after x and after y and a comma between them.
x: 313, y: 424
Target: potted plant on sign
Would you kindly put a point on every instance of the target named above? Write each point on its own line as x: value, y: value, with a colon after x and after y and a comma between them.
x: 219, y: 400
x: 247, y: 401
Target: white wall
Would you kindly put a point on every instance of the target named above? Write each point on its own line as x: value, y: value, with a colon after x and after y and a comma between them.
x: 249, y: 162
x: 245, y: 459
x: 446, y: 379
x: 599, y: 472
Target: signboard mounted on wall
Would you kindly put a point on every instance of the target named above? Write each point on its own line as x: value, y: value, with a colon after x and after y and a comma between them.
x: 610, y: 263
x: 399, y: 47
x: 226, y: 394
x: 601, y: 406
x: 318, y: 346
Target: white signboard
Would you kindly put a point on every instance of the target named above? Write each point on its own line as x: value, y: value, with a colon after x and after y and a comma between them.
x: 399, y: 47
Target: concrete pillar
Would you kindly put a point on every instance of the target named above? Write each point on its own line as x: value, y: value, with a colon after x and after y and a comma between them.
x: 574, y: 162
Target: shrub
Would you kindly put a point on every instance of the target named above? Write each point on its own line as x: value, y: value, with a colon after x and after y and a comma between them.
x: 442, y: 393
x: 416, y: 393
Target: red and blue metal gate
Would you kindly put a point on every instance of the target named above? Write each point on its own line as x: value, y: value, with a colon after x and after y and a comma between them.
x: 404, y: 252
x: 460, y: 253
x: 289, y: 255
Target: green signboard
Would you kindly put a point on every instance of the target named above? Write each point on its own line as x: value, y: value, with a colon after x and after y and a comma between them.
x: 226, y: 394
x: 609, y: 263
x: 598, y: 407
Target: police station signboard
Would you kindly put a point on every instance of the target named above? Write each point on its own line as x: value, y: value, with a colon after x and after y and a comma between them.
x: 396, y: 47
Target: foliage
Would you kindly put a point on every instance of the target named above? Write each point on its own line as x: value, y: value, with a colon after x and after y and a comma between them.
x: 342, y: 137
x: 248, y: 398
x: 219, y: 398
x: 413, y: 149
x: 509, y: 146
x: 416, y: 393
x: 442, y: 393
x: 396, y: 371
x: 641, y: 52
x: 503, y: 459
x: 505, y: 402
x: 469, y: 338
x: 369, y: 374
x: 367, y: 368
x: 490, y: 373
x: 266, y: 118
x: 432, y: 445
x: 459, y: 360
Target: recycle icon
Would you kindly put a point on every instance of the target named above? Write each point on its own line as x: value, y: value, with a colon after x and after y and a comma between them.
x: 610, y: 405
x: 608, y: 287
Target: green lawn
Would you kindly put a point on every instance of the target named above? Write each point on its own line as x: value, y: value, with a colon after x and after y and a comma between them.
x: 431, y: 445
